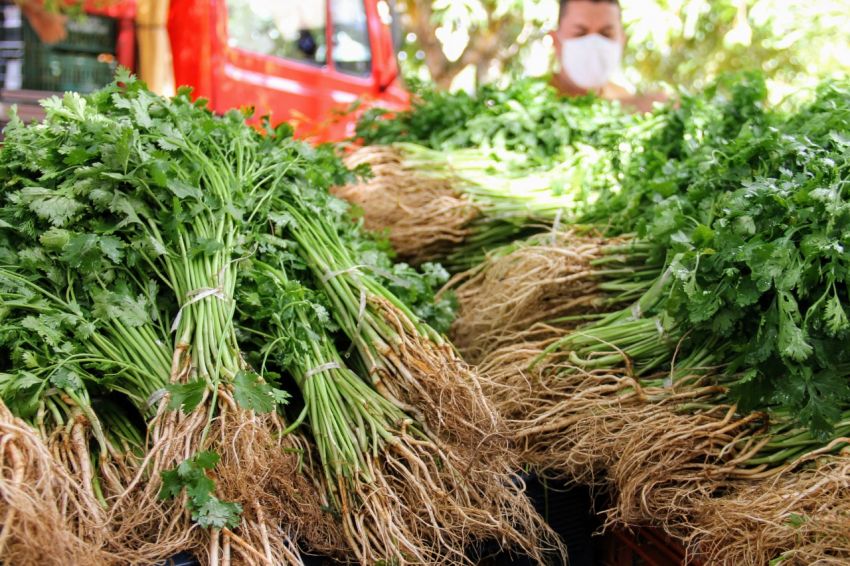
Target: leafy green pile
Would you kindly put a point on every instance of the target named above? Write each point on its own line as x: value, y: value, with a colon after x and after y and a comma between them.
x: 528, y: 117
x: 700, y: 144
x: 524, y: 156
x: 124, y: 218
x: 749, y: 207
x: 762, y: 264
x: 744, y: 206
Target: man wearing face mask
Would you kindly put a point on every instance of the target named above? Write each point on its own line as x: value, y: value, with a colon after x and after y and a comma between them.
x: 589, y: 43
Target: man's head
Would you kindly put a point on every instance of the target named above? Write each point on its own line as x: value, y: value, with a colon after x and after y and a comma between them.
x: 589, y: 41
x: 608, y: 4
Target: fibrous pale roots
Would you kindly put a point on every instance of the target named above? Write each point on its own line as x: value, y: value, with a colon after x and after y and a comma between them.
x: 46, y: 517
x: 264, y: 469
x: 434, y: 492
x: 666, y: 466
x: 425, y: 218
x: 431, y: 382
x: 603, y: 428
x: 545, y: 278
x: 427, y: 505
x: 802, y: 516
x: 259, y: 469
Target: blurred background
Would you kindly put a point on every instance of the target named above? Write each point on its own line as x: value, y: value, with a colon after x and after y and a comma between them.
x: 687, y: 43
x: 306, y: 60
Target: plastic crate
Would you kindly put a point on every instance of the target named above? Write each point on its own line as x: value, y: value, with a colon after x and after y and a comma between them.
x: 57, y: 71
x: 84, y: 62
x: 87, y: 34
x: 182, y: 559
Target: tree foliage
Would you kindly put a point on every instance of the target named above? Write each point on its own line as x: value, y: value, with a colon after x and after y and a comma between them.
x: 488, y: 35
x: 691, y: 42
x: 679, y: 42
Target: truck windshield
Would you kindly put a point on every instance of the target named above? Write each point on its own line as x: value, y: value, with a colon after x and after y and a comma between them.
x: 292, y: 29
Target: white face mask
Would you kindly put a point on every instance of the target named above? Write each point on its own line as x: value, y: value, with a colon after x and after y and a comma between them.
x: 592, y: 60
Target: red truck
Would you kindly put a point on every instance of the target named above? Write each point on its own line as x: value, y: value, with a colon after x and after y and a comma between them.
x: 301, y: 60
x: 305, y: 61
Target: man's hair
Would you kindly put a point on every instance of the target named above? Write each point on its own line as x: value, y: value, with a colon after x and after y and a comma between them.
x: 564, y: 4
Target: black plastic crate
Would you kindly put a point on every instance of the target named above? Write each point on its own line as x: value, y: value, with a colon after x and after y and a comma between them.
x: 182, y: 559
x: 58, y: 71
x: 186, y: 559
x: 86, y: 34
x: 85, y: 61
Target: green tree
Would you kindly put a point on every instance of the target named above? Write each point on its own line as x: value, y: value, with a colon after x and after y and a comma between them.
x: 678, y: 42
x: 690, y: 42
x: 489, y: 35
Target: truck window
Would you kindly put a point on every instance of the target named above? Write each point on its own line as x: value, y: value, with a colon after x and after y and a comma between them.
x: 292, y: 29
x: 351, y: 51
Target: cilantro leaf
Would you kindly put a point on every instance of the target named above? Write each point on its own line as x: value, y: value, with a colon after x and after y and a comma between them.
x: 186, y: 395
x: 200, y: 489
x: 217, y: 514
x: 825, y: 392
x: 124, y: 76
x: 55, y: 239
x: 56, y: 208
x: 183, y: 190
x: 207, y: 510
x: 129, y: 310
x: 253, y: 394
x: 280, y: 396
x: 206, y: 247
x: 792, y: 339
x: 206, y: 460
x: 82, y: 250
x: 836, y: 317
x: 64, y: 378
x: 172, y: 484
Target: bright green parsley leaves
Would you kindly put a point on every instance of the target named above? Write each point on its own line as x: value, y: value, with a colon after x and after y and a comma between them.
x: 249, y: 391
x: 252, y: 393
x: 207, y: 510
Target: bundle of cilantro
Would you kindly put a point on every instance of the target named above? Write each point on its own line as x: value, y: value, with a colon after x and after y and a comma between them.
x: 402, y: 493
x: 131, y: 212
x: 520, y: 158
x: 747, y: 206
x: 430, y: 425
x: 527, y: 118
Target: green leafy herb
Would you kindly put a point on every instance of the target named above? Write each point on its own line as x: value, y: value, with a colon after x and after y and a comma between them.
x: 207, y: 510
x: 255, y: 395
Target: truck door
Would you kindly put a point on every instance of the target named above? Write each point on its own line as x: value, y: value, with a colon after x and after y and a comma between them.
x: 296, y: 60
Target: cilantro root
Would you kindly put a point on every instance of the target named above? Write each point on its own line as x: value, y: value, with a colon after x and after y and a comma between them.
x: 424, y: 218
x: 545, y: 279
x: 47, y: 513
x: 363, y: 439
